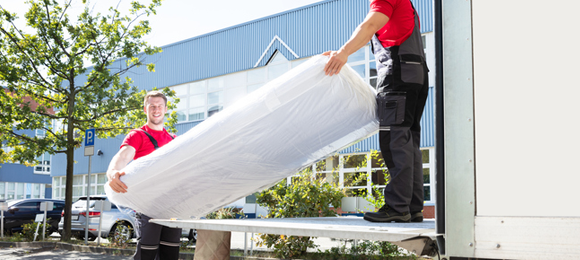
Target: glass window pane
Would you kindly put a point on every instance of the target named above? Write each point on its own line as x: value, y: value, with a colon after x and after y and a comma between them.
x: 215, y: 84
x: 357, y: 56
x: 379, y: 177
x: 279, y: 57
x: 360, y: 192
x: 100, y: 190
x: 214, y: 109
x: 425, y: 155
x: 197, y: 100
x: 427, y: 193
x: 251, y: 88
x: 377, y: 160
x: 20, y: 191
x: 355, y: 179
x: 360, y: 69
x: 426, y: 178
x: 196, y: 114
x: 235, y: 80
x: 197, y: 87
x: 78, y: 180
x: 78, y: 191
x: 296, y: 63
x: 181, y: 116
x: 354, y: 161
x: 101, y: 178
x: 215, y: 98
x: 256, y: 75
x: 182, y: 104
x: 180, y: 90
x: 371, y: 55
x: 373, y: 69
x: 373, y: 82
x: 2, y: 191
x: 275, y: 71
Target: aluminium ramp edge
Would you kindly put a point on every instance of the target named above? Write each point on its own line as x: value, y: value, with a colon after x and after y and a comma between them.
x: 333, y: 227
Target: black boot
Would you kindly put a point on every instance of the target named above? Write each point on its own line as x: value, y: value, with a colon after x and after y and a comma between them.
x: 387, y: 214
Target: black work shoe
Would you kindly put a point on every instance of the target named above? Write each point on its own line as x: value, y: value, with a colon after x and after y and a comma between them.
x: 417, y: 217
x: 386, y: 214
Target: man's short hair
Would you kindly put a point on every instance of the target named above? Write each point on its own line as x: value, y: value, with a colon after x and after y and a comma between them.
x: 154, y: 93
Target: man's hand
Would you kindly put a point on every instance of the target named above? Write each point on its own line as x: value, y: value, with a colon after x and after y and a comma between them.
x: 335, y: 63
x: 116, y: 184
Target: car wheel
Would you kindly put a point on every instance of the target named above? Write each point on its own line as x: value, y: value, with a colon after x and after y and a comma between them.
x: 122, y: 229
x: 192, y: 236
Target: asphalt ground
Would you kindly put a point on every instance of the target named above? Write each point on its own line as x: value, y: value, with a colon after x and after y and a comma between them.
x: 237, y: 243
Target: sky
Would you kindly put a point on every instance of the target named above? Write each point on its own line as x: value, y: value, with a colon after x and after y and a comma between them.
x: 177, y: 20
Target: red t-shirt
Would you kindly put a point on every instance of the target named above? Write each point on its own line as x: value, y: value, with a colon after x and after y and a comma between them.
x: 141, y: 142
x: 401, y: 21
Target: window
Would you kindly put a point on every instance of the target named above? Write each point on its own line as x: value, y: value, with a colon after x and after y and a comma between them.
x: 354, y: 174
x: 29, y: 206
x: 44, y: 164
x: 202, y: 99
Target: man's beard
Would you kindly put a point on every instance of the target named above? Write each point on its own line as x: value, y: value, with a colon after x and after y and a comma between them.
x: 156, y: 121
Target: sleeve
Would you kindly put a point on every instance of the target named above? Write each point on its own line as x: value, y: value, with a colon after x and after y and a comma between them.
x: 133, y: 139
x: 383, y: 6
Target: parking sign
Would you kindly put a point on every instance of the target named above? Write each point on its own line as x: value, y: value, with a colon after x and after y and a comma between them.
x: 90, y: 142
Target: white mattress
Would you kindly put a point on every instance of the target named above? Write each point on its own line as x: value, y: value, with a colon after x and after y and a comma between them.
x: 274, y: 132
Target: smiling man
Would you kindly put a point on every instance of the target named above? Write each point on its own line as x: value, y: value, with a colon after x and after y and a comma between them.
x: 153, y: 239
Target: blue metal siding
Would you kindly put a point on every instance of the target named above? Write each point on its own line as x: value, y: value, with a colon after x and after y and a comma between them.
x: 308, y: 31
x: 19, y: 173
x: 427, y: 130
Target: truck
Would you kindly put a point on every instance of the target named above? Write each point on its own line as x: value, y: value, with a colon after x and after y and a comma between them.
x: 507, y: 121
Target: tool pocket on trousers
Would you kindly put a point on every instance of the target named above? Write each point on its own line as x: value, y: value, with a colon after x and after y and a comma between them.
x: 391, y: 108
x: 412, y: 69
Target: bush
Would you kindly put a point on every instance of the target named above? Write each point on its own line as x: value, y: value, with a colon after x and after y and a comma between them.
x: 306, y: 196
x: 118, y: 237
x: 366, y: 250
x: 29, y: 229
x: 226, y: 213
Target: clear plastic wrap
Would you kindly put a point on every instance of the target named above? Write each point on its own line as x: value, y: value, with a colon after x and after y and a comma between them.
x: 274, y: 132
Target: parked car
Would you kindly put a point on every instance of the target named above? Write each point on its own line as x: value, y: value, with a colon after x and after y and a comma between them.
x: 115, y: 220
x: 24, y: 211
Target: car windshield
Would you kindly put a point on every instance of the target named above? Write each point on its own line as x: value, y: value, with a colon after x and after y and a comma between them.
x: 82, y: 203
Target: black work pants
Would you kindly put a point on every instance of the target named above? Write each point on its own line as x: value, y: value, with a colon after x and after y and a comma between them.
x: 156, y: 241
x: 400, y: 148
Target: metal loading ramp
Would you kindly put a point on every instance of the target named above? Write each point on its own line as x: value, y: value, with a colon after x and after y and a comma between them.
x: 415, y: 237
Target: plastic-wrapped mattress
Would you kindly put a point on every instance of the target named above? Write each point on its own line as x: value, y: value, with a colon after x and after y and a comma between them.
x: 274, y: 132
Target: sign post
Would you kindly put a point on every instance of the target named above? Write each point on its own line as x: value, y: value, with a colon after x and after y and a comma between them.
x: 3, y: 207
x: 46, y: 206
x: 89, y: 151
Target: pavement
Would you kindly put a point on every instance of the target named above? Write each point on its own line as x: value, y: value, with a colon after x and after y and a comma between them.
x: 237, y: 243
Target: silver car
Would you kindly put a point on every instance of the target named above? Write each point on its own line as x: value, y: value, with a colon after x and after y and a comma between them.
x: 115, y: 220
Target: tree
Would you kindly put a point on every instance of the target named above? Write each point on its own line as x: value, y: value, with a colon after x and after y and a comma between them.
x: 48, y: 84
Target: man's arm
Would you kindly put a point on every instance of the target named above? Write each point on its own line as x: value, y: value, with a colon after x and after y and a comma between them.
x: 361, y: 36
x: 119, y: 161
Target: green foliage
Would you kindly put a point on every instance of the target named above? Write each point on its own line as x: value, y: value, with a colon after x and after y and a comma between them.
x: 226, y: 213
x: 306, y: 196
x: 29, y: 229
x: 63, y: 75
x: 377, y: 199
x: 365, y: 250
x: 119, y: 237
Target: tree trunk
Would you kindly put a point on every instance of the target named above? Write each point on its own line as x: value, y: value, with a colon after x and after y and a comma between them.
x: 70, y: 160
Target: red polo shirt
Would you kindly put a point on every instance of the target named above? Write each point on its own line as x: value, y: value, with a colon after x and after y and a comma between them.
x: 401, y: 21
x: 141, y: 142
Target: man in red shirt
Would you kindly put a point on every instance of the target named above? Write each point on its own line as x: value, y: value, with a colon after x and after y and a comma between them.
x: 153, y: 239
x: 392, y: 26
